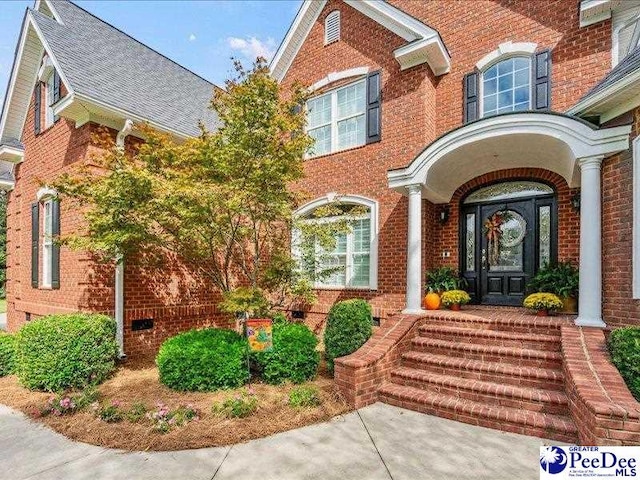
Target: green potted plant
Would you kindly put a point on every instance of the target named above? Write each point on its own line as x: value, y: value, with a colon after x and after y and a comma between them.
x: 453, y: 299
x: 543, y: 303
x: 561, y: 279
x: 440, y: 280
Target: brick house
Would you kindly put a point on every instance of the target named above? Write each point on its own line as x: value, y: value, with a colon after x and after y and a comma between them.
x: 437, y: 117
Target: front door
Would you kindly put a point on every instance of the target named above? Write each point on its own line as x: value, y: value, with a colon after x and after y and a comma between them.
x: 503, y: 243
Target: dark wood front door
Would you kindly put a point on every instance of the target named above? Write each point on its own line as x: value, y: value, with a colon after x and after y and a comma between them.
x: 503, y: 243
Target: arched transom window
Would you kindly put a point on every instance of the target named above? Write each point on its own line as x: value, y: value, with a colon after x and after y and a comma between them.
x: 506, y: 86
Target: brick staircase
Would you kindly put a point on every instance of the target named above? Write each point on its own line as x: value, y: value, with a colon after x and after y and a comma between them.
x: 497, y: 372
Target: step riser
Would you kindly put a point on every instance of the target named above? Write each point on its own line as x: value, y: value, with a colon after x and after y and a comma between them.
x: 500, y: 327
x: 540, y: 432
x: 528, y: 344
x: 500, y: 378
x: 490, y: 399
x: 489, y: 357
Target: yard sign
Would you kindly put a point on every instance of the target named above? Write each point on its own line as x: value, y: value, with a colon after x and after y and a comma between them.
x: 259, y: 334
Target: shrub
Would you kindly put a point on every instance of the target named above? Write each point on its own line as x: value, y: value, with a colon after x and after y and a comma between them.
x: 239, y: 405
x: 444, y: 279
x: 563, y: 279
x: 455, y: 297
x: 543, y: 301
x: 110, y: 413
x: 203, y: 360
x: 163, y: 418
x: 65, y: 403
x: 137, y: 412
x: 304, y: 396
x: 624, y: 346
x: 59, y: 352
x: 293, y: 356
x: 279, y: 318
x: 7, y: 354
x: 348, y: 328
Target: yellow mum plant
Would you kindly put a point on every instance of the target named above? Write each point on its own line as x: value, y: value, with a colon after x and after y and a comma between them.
x: 455, y: 297
x: 543, y: 301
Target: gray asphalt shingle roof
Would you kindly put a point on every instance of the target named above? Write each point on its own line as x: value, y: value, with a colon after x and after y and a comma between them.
x: 107, y: 65
x: 628, y: 65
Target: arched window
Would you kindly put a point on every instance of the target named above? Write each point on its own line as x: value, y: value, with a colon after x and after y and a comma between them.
x: 506, y: 86
x: 332, y: 27
x: 352, y: 262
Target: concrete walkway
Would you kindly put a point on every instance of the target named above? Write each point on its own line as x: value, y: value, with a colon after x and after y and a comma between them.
x: 377, y: 442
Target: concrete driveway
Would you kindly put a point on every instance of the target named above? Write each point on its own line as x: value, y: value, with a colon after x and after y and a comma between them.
x: 376, y: 442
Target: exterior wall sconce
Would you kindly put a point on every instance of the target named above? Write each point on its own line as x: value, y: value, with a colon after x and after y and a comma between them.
x: 444, y: 214
x: 575, y: 201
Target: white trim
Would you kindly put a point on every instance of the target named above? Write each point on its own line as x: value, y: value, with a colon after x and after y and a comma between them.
x: 372, y: 205
x: 425, y: 44
x: 50, y: 5
x: 582, y: 140
x: 506, y: 50
x: 335, y: 17
x: 47, y: 243
x: 45, y: 69
x: 46, y: 193
x: 636, y: 219
x: 336, y: 76
x: 11, y: 154
x: 594, y: 11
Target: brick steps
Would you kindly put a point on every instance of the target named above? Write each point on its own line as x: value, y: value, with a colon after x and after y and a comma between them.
x: 503, y: 373
x: 489, y: 353
x: 487, y: 371
x: 525, y: 398
x: 542, y: 425
x: 501, y: 338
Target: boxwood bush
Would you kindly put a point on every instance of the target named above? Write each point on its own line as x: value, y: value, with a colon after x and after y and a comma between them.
x: 7, y: 354
x: 293, y: 357
x: 624, y: 347
x: 348, y: 327
x: 58, y: 352
x: 203, y: 360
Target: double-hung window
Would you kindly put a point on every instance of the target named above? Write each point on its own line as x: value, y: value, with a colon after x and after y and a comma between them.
x: 47, y: 242
x: 336, y: 119
x: 50, y: 100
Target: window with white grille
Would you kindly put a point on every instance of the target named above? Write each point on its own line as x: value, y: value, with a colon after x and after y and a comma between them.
x: 332, y: 27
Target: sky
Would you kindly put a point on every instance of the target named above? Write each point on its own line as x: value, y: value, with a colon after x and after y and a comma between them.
x: 201, y: 35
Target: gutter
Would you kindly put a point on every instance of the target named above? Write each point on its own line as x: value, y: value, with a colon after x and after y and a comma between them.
x: 119, y: 272
x: 605, y: 94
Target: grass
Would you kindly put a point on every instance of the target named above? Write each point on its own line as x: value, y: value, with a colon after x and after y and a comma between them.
x: 134, y: 384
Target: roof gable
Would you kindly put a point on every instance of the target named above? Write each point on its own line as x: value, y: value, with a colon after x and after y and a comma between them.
x: 424, y: 43
x: 102, y: 66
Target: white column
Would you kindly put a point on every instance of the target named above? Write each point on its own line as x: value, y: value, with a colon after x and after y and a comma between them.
x: 590, y: 300
x: 414, y: 252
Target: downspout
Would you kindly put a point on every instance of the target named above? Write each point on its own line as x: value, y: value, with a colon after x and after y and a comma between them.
x: 119, y: 273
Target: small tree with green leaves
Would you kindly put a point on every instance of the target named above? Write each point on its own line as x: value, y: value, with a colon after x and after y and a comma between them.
x: 221, y: 202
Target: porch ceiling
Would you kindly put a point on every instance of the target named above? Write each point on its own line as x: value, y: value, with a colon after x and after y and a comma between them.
x: 528, y: 139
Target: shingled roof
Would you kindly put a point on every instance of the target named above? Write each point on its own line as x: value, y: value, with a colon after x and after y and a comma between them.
x: 105, y: 64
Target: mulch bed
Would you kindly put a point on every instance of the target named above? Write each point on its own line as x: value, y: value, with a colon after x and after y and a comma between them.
x: 138, y: 382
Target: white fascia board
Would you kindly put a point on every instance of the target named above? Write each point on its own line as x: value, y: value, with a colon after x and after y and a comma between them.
x: 594, y: 11
x: 47, y: 49
x: 118, y: 113
x: 591, y: 103
x: 11, y: 154
x: 50, y: 5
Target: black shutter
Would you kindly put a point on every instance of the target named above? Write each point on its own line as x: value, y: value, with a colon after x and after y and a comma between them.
x: 56, y: 90
x: 374, y: 110
x: 36, y: 109
x: 55, y: 249
x: 471, y: 106
x: 35, y: 242
x: 542, y: 80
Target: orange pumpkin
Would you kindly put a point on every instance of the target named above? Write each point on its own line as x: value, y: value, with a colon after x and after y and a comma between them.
x: 432, y: 301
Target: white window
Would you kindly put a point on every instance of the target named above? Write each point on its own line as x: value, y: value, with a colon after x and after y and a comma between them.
x: 506, y: 87
x: 49, y: 97
x: 47, y: 242
x: 332, y: 27
x: 336, y: 120
x: 625, y: 30
x: 354, y: 257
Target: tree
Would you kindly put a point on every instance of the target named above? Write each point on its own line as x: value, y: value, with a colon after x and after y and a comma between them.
x: 221, y: 202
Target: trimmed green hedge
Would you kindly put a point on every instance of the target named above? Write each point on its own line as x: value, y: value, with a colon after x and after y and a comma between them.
x: 7, y: 354
x: 203, y: 360
x: 293, y: 357
x: 624, y: 346
x: 58, y: 352
x: 349, y: 326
